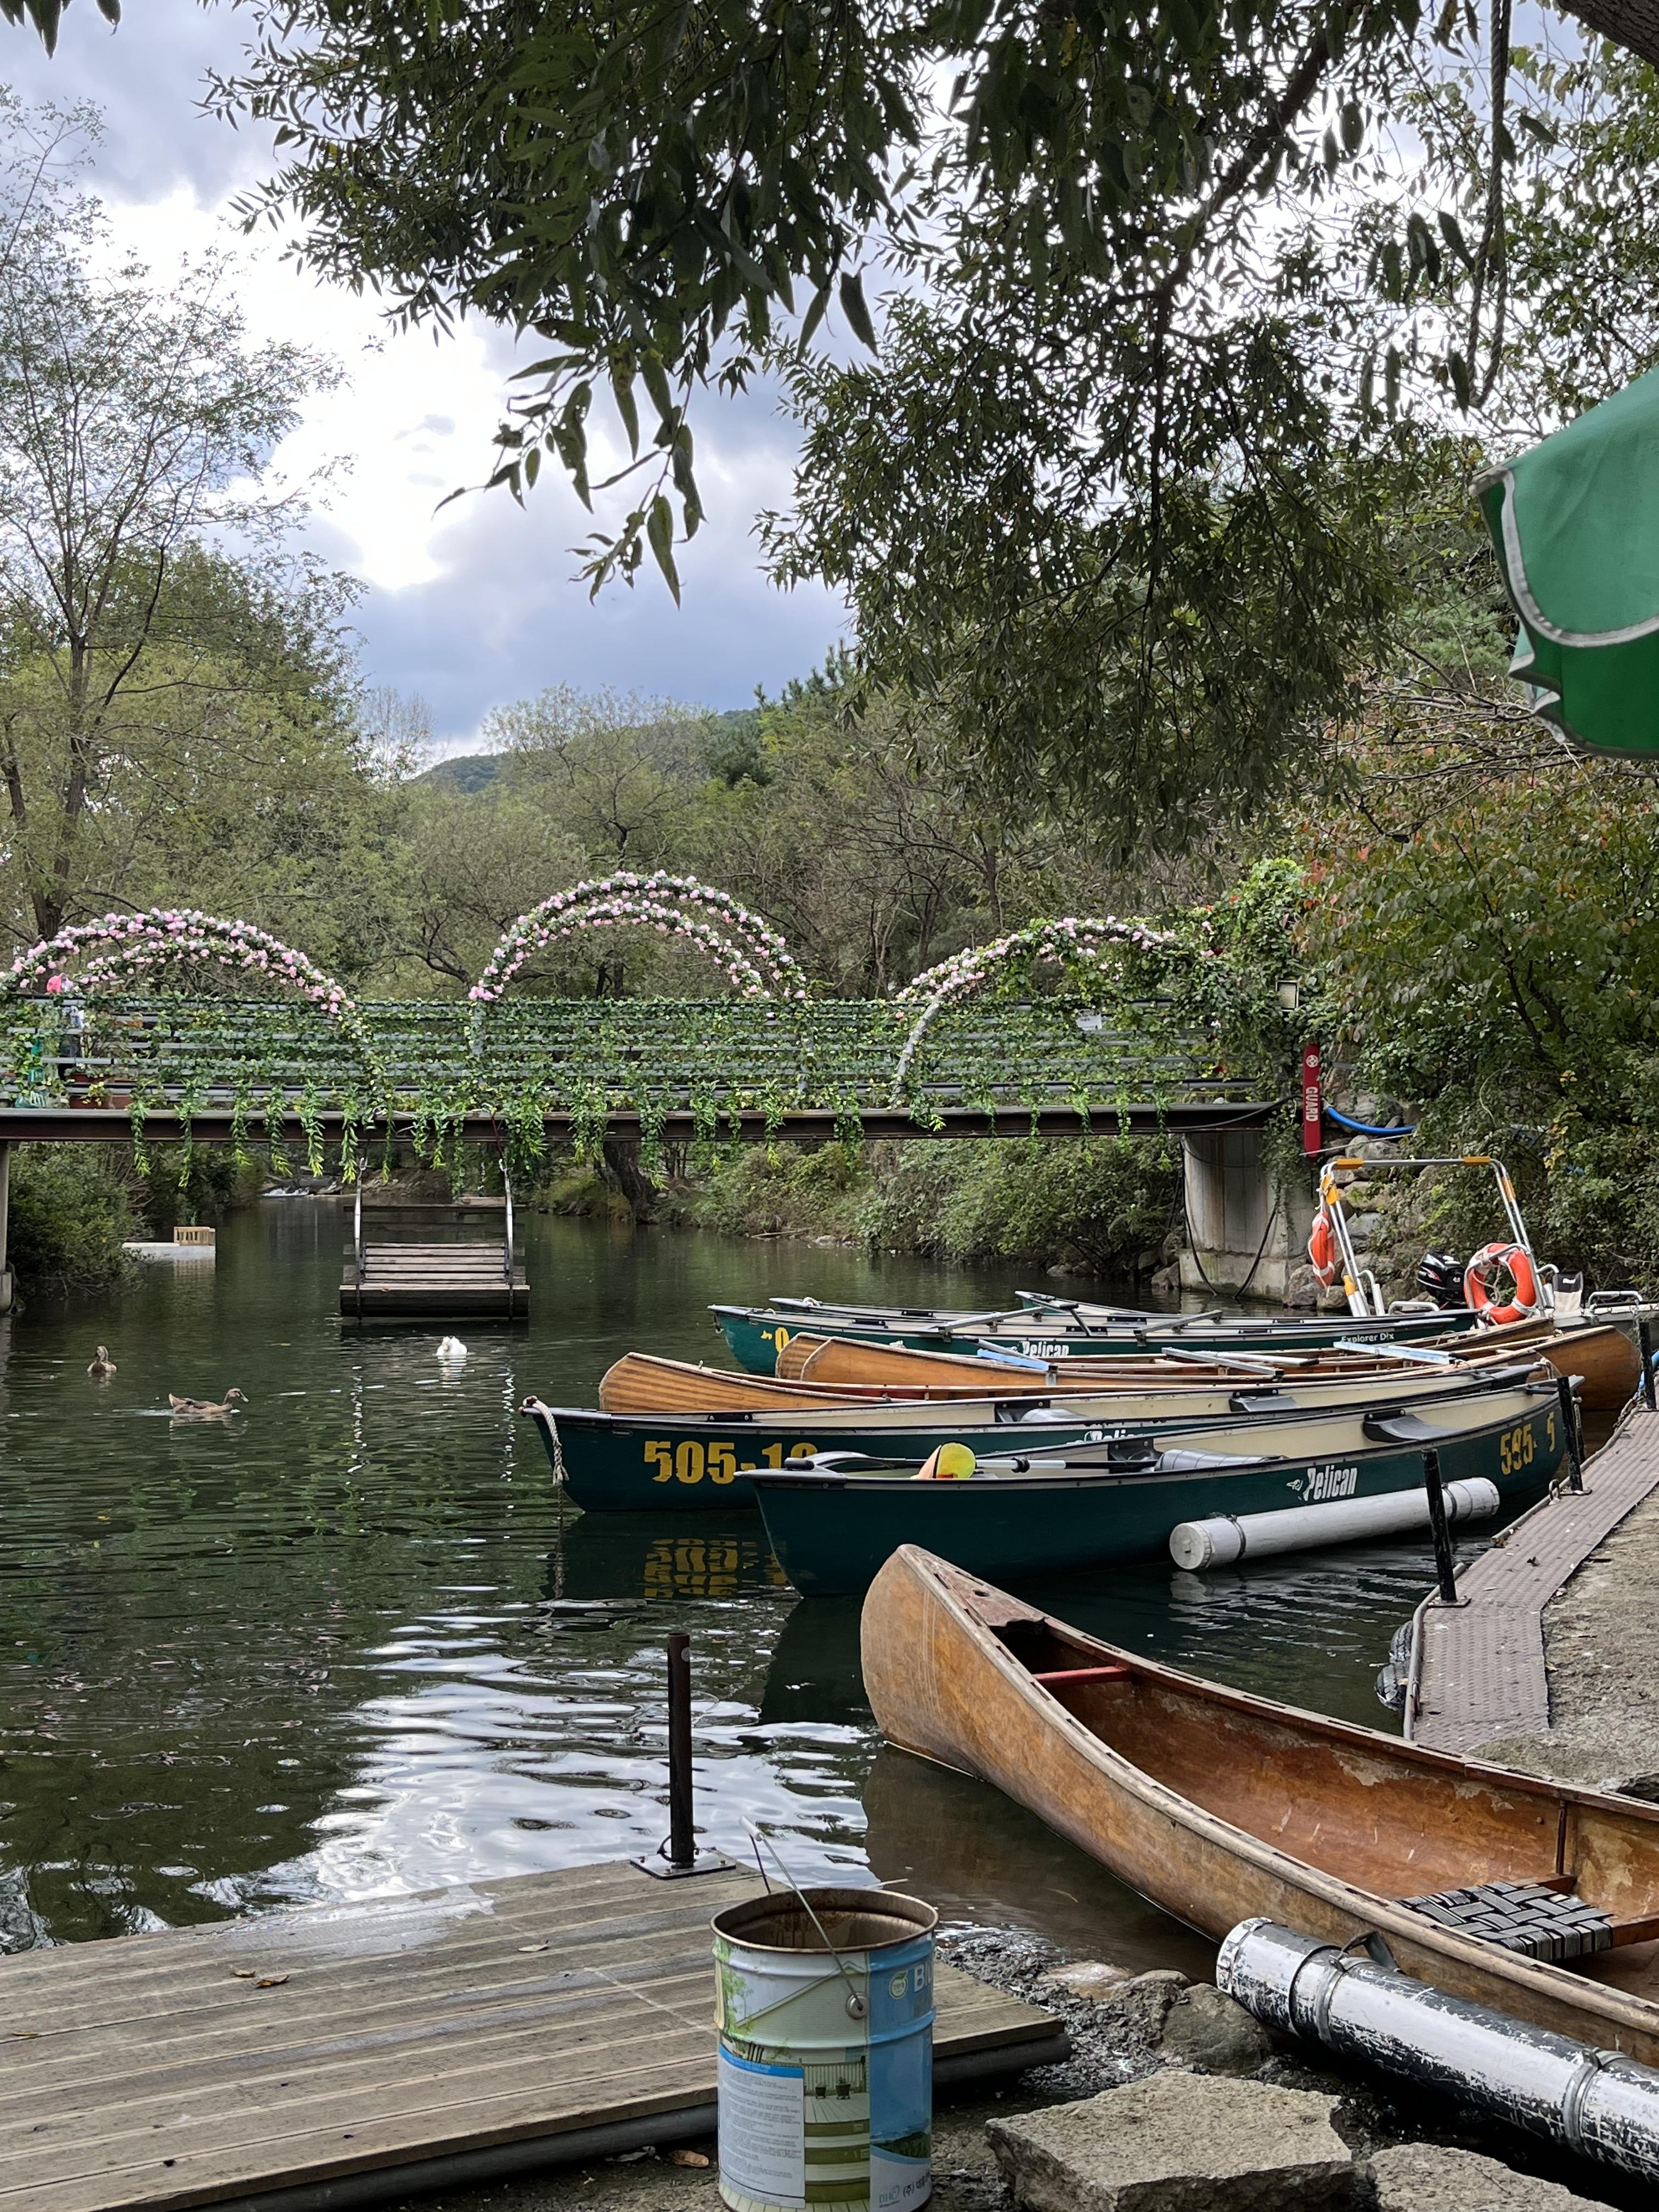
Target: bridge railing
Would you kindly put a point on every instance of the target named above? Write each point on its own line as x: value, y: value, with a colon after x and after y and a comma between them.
x: 586, y: 1059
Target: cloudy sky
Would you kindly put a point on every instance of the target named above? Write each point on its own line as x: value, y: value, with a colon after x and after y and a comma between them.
x: 479, y: 604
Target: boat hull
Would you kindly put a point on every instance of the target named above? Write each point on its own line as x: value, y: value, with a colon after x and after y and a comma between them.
x: 833, y: 1534
x: 756, y: 1338
x: 1220, y: 1807
x: 658, y: 1460
x: 1601, y: 1353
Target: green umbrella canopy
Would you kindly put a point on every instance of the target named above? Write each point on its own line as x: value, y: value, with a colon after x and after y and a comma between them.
x: 1576, y: 522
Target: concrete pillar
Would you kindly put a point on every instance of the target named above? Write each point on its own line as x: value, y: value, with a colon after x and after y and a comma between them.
x: 5, y: 1207
x: 1240, y: 1230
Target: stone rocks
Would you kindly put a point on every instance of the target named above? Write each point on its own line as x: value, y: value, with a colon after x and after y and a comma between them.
x: 1138, y: 2002
x: 1090, y: 1978
x: 1192, y: 2025
x: 1304, y: 1288
x: 1204, y: 2027
x: 1425, y: 2178
x: 1180, y: 2143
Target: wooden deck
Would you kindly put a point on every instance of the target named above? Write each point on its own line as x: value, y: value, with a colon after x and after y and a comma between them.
x: 1477, y: 1671
x: 462, y: 1277
x: 402, y: 2044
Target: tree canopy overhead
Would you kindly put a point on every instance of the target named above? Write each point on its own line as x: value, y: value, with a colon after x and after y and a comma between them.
x: 1138, y: 293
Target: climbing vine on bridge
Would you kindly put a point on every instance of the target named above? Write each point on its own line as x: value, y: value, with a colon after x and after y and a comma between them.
x: 1148, y: 1014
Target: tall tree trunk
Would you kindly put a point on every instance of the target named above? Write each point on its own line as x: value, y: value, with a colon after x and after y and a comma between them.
x: 1632, y: 24
x: 619, y: 1164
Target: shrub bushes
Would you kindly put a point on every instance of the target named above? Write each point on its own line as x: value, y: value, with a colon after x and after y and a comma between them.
x: 69, y: 1211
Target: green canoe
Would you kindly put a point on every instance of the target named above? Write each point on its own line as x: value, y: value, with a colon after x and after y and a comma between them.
x: 701, y: 1463
x: 832, y: 1531
x: 756, y: 1334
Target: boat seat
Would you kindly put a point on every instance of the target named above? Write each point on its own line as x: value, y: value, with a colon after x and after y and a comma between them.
x: 1538, y: 1922
x: 1077, y: 1676
x: 1404, y: 1428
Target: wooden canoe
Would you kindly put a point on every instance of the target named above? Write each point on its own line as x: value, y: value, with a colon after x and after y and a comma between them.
x: 1602, y: 1352
x: 644, y: 1383
x: 1220, y: 1806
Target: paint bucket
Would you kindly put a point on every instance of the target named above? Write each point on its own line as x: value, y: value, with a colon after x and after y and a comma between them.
x: 826, y: 2050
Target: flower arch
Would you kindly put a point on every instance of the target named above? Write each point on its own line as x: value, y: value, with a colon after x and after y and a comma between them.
x: 124, y: 946
x: 1075, y: 939
x: 753, y: 954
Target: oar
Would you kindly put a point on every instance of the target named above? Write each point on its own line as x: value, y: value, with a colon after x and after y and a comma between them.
x: 1246, y: 1362
x: 1388, y: 1351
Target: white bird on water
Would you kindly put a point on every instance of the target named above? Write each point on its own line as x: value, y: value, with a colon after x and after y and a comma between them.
x: 452, y: 1349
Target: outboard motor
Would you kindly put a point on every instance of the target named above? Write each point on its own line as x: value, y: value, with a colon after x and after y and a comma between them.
x: 1440, y: 1277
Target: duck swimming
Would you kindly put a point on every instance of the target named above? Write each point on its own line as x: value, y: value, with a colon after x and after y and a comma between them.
x: 228, y: 1404
x: 100, y: 1363
x: 451, y: 1347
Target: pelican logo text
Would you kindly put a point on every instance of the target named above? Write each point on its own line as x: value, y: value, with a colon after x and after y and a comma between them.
x: 1321, y: 1482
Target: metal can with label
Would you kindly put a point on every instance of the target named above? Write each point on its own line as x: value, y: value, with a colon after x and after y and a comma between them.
x: 826, y: 2051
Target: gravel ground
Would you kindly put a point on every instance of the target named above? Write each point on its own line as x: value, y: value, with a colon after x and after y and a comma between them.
x: 1601, y: 1644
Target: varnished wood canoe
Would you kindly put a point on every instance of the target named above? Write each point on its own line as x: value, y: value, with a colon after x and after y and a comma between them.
x: 1602, y: 1352
x: 642, y: 1381
x: 1220, y: 1806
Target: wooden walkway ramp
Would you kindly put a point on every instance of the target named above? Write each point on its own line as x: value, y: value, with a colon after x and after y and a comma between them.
x: 337, y: 2055
x: 387, y: 1281
x: 1477, y: 1671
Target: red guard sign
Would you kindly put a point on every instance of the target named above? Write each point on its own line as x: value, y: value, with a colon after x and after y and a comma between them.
x: 1313, y: 1103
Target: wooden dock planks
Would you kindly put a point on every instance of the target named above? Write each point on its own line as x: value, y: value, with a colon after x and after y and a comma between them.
x: 1479, y: 1672
x: 535, y: 2018
x: 457, y: 1278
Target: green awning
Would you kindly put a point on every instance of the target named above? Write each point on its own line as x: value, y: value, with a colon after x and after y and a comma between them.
x: 1576, y: 522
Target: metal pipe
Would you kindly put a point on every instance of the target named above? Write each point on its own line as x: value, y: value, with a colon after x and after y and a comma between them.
x: 506, y: 1255
x: 1568, y: 1402
x: 1444, y: 1567
x: 682, y: 1835
x: 357, y: 1236
x: 1360, y: 2006
x: 1224, y: 1537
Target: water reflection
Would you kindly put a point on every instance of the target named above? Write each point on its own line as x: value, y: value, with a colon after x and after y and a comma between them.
x: 355, y: 1639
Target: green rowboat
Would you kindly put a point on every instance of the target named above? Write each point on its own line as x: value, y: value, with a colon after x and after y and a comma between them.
x: 701, y: 1463
x: 832, y: 1531
x: 756, y: 1334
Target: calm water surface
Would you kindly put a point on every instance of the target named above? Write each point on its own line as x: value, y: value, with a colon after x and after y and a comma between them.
x: 354, y: 1641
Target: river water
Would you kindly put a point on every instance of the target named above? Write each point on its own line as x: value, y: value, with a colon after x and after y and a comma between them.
x: 353, y: 1640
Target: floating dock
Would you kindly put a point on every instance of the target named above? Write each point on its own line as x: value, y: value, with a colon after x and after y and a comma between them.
x: 1478, y: 1672
x: 331, y: 2056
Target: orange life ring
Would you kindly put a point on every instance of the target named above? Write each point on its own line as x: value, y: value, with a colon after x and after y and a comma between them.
x: 1482, y: 1271
x: 1326, y: 1260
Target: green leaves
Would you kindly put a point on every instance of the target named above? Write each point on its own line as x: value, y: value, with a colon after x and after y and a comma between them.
x: 659, y: 527
x: 46, y: 15
x: 857, y: 314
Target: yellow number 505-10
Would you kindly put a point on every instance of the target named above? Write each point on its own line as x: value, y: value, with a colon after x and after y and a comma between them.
x: 689, y: 1462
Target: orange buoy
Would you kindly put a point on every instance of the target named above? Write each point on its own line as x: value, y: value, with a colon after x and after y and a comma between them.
x: 1482, y: 1272
x: 1321, y: 1248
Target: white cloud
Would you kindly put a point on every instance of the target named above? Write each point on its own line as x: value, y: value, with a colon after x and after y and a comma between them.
x: 473, y: 604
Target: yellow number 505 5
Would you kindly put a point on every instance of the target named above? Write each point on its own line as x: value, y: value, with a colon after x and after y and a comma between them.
x: 1515, y: 1449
